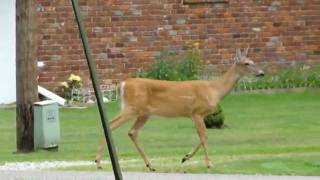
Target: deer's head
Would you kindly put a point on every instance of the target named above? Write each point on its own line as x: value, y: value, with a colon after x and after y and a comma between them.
x: 246, y: 65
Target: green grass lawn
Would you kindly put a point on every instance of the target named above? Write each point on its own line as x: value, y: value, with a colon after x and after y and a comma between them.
x: 266, y: 134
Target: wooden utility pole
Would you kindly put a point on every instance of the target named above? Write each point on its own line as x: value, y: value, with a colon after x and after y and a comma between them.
x: 26, y: 72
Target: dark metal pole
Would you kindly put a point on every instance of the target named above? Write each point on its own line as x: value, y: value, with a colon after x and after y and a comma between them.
x: 103, y: 114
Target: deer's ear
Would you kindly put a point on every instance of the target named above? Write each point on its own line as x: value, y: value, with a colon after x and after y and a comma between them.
x: 238, y: 53
x: 246, y: 51
x: 236, y: 59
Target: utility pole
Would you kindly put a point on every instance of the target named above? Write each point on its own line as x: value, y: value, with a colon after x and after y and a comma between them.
x: 26, y: 72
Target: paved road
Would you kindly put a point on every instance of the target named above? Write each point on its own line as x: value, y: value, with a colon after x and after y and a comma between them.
x: 87, y: 175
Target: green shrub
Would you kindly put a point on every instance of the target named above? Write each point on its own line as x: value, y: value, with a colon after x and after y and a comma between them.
x: 189, y: 67
x: 295, y: 77
x: 216, y: 119
x: 163, y: 68
x: 166, y: 67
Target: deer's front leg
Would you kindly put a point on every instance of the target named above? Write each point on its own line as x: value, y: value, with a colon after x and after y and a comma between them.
x: 115, y: 123
x: 100, y: 150
x: 134, y: 133
x: 202, y: 132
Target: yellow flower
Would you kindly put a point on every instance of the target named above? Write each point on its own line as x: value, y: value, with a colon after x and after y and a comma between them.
x: 77, y: 78
x: 65, y: 84
x: 196, y: 45
x: 73, y: 77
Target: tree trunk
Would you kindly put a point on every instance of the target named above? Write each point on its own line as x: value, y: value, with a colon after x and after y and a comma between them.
x: 26, y: 72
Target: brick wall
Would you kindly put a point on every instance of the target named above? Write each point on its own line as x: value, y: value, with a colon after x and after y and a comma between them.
x: 125, y: 35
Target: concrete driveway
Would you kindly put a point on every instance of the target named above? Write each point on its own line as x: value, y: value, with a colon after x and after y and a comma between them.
x: 88, y: 175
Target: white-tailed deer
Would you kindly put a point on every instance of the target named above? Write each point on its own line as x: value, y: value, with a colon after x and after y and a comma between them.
x: 142, y: 98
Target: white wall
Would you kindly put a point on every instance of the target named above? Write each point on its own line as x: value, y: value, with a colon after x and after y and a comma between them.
x: 7, y: 52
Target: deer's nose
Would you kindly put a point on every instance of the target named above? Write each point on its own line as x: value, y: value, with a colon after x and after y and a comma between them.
x: 260, y: 73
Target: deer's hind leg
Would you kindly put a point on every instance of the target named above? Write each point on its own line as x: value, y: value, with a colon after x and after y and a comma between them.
x: 202, y: 132
x: 114, y: 123
x: 191, y: 153
x: 134, y: 133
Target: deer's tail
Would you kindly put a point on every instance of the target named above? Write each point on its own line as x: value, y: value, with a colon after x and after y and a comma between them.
x: 122, y: 85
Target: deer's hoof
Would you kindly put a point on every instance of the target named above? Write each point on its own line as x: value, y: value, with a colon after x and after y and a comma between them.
x: 98, y: 164
x: 186, y: 157
x: 150, y: 168
x: 209, y: 165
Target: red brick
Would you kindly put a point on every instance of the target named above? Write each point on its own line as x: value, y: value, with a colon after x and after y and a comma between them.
x: 125, y: 42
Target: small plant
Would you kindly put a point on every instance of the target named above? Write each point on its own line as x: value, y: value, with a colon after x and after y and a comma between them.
x: 216, y: 119
x: 189, y: 67
x: 71, y: 89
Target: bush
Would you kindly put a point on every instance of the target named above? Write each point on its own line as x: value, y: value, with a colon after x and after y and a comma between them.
x: 163, y: 68
x: 216, y: 119
x: 295, y: 77
x: 166, y: 67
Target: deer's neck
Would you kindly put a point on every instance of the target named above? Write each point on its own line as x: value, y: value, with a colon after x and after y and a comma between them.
x: 225, y: 83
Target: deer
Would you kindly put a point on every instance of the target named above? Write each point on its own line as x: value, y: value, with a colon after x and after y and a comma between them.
x: 142, y: 98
